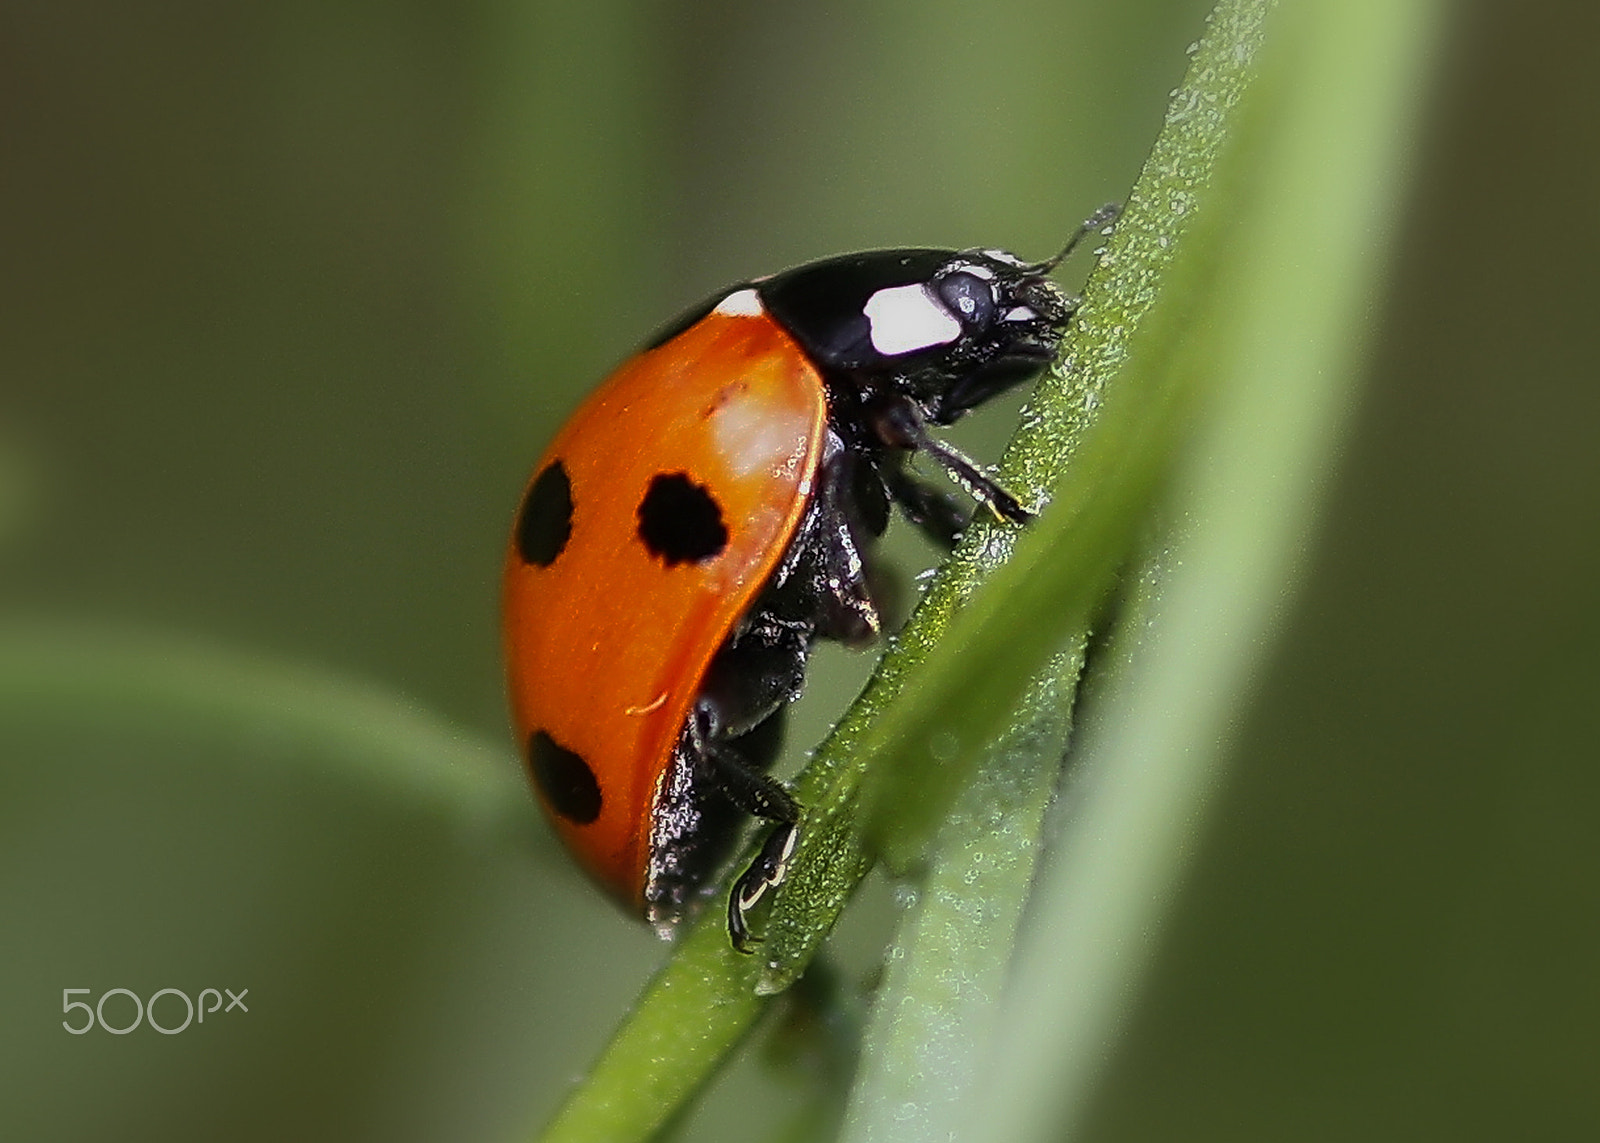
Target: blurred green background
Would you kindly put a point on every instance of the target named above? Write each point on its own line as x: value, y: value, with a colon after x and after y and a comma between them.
x: 290, y: 298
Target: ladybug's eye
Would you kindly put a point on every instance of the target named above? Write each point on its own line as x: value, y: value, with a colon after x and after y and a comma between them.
x: 969, y: 297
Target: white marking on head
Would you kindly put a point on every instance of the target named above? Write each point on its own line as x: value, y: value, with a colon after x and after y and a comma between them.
x: 1020, y: 313
x: 908, y: 318
x: 740, y: 303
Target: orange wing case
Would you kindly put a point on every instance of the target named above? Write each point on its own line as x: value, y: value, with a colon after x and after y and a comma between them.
x: 608, y: 644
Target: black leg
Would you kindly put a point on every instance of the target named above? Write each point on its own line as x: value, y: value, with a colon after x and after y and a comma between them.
x: 718, y: 772
x: 755, y: 675
x: 900, y: 424
x: 756, y: 793
x: 850, y: 614
x: 764, y: 797
x: 831, y: 582
x: 937, y: 514
x: 767, y: 871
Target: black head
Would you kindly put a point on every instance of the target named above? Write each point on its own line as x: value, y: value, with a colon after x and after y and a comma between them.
x: 948, y: 328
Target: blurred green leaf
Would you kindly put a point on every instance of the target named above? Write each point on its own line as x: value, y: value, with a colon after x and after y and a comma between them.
x: 934, y: 1020
x: 326, y: 725
x: 1283, y: 339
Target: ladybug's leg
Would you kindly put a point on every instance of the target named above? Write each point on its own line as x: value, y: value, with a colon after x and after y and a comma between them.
x: 900, y: 424
x: 736, y: 727
x: 757, y: 794
x: 764, y: 797
x: 850, y: 510
x: 767, y: 871
x: 756, y: 673
x: 936, y: 513
x: 735, y: 731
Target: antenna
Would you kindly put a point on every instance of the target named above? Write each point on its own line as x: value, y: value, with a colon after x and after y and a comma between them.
x: 1101, y: 218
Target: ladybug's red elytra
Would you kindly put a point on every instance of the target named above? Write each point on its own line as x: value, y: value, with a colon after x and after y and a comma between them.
x: 710, y: 512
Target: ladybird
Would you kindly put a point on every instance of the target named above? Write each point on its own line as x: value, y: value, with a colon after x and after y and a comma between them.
x: 710, y: 512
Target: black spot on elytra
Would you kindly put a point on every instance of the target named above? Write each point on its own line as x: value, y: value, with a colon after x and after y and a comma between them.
x: 545, y: 522
x: 566, y: 779
x: 680, y: 521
